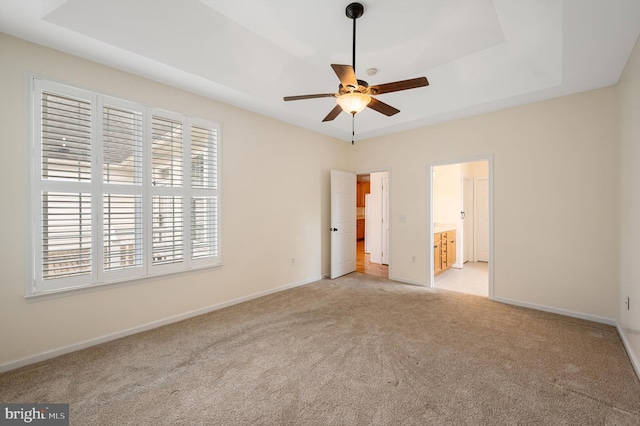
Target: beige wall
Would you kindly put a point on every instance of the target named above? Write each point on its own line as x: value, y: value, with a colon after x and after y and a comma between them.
x: 555, y: 198
x: 629, y: 97
x: 276, y: 203
x: 447, y: 193
x: 476, y: 169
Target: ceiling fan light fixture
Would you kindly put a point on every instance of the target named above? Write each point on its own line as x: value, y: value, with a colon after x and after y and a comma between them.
x: 353, y: 102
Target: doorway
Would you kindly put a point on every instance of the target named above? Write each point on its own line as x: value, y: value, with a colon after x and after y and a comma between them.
x: 372, y: 216
x: 461, y: 222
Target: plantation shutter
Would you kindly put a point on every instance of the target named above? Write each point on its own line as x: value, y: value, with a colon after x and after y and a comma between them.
x: 65, y: 198
x: 167, y: 168
x: 66, y: 138
x: 166, y: 154
x: 119, y: 190
x: 204, y: 198
x: 168, y: 233
x: 122, y: 187
x: 66, y: 234
x: 204, y: 158
x: 122, y: 146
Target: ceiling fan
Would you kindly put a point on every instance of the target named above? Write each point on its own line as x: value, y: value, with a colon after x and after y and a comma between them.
x: 355, y: 95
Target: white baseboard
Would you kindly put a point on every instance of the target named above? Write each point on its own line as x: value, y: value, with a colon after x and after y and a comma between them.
x: 632, y: 356
x: 408, y: 281
x: 12, y: 365
x: 553, y: 310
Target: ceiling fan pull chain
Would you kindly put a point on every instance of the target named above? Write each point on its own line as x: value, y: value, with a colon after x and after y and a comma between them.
x: 353, y: 132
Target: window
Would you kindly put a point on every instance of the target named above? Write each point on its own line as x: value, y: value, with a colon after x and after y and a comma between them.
x: 120, y: 190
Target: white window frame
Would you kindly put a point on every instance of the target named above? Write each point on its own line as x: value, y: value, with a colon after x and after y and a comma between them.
x: 37, y: 285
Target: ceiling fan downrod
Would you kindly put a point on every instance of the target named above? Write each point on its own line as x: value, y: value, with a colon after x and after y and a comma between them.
x: 354, y: 11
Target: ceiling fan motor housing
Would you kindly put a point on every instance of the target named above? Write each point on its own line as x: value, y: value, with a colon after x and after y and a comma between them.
x: 363, y: 87
x: 354, y: 10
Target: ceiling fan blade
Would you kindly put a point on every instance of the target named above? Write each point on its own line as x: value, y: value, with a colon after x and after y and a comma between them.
x: 396, y: 86
x: 346, y: 75
x: 333, y: 114
x: 383, y: 108
x: 318, y: 95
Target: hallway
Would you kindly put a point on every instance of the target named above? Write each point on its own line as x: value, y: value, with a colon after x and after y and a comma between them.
x: 365, y: 266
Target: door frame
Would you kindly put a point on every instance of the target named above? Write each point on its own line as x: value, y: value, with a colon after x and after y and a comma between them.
x: 429, y: 237
x: 390, y: 239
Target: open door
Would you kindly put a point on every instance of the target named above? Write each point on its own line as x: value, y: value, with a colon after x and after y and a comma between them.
x: 378, y: 218
x: 467, y: 220
x: 343, y: 223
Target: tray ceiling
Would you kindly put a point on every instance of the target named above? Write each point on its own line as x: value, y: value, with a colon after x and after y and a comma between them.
x: 479, y: 55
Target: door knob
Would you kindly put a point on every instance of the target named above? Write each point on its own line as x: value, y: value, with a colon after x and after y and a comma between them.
x: 333, y: 229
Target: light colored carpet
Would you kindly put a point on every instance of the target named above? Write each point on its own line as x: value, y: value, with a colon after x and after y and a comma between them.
x: 353, y: 351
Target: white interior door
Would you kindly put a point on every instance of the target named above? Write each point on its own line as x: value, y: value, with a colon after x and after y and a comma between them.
x: 385, y: 220
x: 481, y: 222
x: 343, y: 223
x: 467, y: 221
x: 376, y: 219
x: 367, y: 223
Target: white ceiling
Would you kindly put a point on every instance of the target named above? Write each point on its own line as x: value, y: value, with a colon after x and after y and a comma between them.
x: 479, y: 55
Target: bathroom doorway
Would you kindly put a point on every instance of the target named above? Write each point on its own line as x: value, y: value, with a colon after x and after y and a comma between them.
x: 461, y: 227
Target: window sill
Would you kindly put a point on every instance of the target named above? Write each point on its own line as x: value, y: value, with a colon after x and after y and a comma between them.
x: 73, y: 291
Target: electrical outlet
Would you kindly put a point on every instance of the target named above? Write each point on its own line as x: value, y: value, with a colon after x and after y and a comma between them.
x: 413, y: 259
x: 293, y: 261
